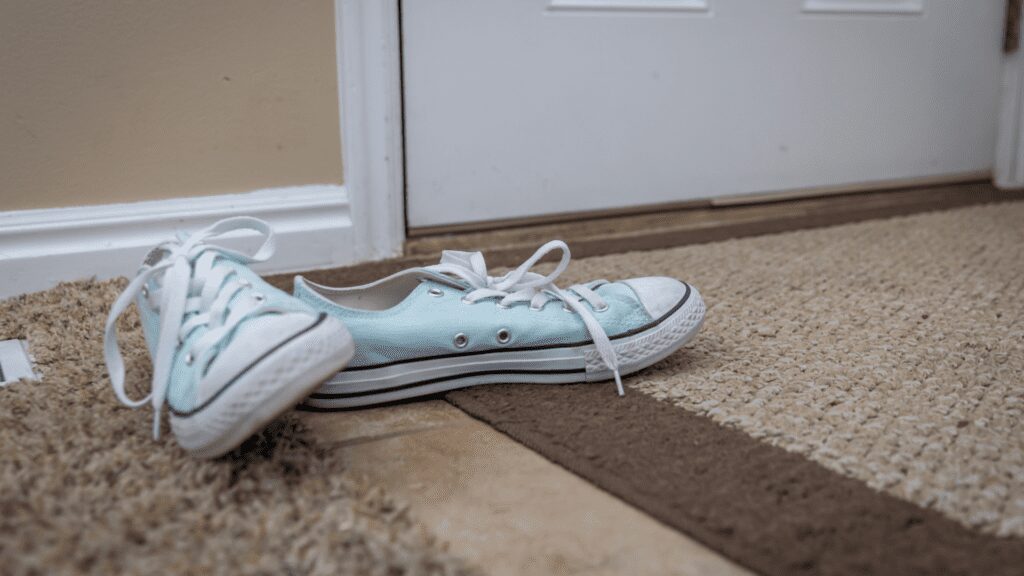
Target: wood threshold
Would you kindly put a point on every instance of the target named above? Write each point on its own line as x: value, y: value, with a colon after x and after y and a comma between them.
x: 506, y: 223
x: 736, y: 200
x: 610, y: 235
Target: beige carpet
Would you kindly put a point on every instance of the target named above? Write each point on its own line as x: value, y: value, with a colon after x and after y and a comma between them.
x: 891, y: 351
x: 852, y: 405
x: 84, y: 488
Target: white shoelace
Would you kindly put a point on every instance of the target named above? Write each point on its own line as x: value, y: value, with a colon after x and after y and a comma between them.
x: 521, y: 285
x: 192, y: 289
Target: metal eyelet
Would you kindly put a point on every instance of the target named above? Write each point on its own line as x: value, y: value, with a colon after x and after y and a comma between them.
x: 601, y: 309
x: 504, y: 336
x: 460, y: 340
x: 145, y: 291
x: 567, y: 308
x: 189, y: 359
x: 436, y: 292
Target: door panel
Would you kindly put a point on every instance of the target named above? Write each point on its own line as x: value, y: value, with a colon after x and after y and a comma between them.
x: 517, y: 108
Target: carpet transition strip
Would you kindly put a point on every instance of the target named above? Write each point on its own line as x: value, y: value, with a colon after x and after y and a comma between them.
x: 771, y: 510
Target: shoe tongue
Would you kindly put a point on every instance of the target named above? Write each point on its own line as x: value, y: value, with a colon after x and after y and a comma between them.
x: 432, y: 276
x: 154, y: 256
x: 618, y: 289
x: 471, y: 260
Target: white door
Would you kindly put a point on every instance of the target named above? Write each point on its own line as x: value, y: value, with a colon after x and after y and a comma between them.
x: 517, y: 108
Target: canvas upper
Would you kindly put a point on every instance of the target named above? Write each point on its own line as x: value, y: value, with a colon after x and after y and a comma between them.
x: 456, y: 308
x: 282, y: 315
x: 424, y: 323
x: 205, y: 315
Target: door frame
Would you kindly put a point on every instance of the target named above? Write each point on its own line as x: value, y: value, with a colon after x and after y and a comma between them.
x: 1008, y: 172
x: 369, y: 60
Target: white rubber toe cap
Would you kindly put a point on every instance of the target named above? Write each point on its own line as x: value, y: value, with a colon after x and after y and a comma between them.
x: 658, y: 294
x: 254, y: 340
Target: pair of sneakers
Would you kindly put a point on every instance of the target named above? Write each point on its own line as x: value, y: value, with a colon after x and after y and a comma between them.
x: 231, y: 352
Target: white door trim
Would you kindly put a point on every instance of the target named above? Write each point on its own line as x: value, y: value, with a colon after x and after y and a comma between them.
x: 318, y: 226
x: 1009, y: 163
x: 370, y: 91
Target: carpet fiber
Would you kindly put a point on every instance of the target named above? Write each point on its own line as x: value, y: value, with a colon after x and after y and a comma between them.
x: 85, y: 489
x: 888, y: 353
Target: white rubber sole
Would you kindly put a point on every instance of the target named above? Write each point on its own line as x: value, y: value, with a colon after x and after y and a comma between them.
x: 358, y: 387
x: 265, y: 390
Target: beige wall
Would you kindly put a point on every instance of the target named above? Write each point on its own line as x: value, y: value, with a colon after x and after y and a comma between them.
x: 116, y: 100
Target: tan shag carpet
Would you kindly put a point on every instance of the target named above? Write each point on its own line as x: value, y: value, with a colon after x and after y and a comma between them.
x: 85, y: 489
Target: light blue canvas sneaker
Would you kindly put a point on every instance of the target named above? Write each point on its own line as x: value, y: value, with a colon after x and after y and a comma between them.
x: 428, y: 330
x: 230, y: 352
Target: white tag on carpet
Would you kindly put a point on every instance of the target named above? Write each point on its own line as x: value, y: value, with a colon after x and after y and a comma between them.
x: 15, y: 363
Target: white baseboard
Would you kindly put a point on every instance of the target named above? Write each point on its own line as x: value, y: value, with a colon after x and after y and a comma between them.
x: 39, y: 248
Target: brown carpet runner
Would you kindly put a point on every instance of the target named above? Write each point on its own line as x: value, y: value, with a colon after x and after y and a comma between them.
x: 768, y: 509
